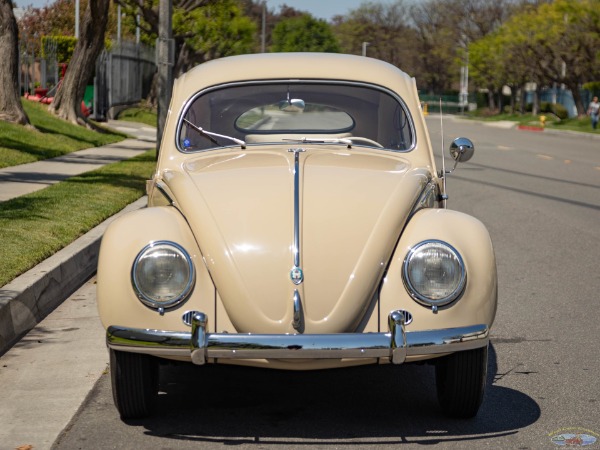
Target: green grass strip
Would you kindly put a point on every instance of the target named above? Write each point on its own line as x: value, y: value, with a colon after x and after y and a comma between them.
x: 139, y: 114
x: 52, y: 137
x: 581, y: 124
x: 35, y: 226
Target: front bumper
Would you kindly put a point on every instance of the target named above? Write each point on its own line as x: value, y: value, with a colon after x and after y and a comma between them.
x: 199, y: 346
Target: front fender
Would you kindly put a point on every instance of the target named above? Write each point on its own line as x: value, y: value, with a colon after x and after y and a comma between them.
x: 123, y: 240
x: 471, y: 239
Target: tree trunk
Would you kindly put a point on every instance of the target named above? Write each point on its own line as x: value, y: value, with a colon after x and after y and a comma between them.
x: 581, y: 110
x: 67, y: 103
x: 185, y: 60
x: 523, y: 99
x: 535, y: 110
x: 513, y: 98
x: 491, y: 102
x: 500, y: 101
x: 11, y: 109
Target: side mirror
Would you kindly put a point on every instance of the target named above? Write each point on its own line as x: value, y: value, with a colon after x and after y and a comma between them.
x: 462, y: 149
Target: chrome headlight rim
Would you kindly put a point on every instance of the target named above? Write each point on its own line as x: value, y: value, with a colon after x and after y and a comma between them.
x: 182, y: 295
x: 454, y: 295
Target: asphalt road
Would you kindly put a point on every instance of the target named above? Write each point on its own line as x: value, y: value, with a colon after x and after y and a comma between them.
x: 539, y: 195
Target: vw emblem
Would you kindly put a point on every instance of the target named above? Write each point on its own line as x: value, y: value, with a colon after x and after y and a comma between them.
x: 297, y: 275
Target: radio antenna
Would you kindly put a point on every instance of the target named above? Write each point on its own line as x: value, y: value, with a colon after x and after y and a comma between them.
x: 444, y: 196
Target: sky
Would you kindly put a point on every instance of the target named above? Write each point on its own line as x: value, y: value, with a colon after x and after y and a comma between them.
x: 322, y: 9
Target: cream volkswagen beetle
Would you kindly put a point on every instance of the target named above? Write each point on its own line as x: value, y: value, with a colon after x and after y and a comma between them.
x: 296, y: 220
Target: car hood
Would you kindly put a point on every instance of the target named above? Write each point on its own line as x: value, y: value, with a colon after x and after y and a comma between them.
x: 351, y: 206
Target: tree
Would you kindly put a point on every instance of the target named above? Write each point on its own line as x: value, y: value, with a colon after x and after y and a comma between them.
x: 486, y: 66
x: 445, y: 29
x: 475, y: 19
x: 51, y: 20
x: 567, y: 44
x: 556, y: 42
x: 253, y: 9
x: 10, y: 104
x: 202, y: 29
x: 57, y: 19
x: 383, y: 27
x: 304, y: 34
x: 67, y: 102
x: 436, y: 44
x: 213, y: 31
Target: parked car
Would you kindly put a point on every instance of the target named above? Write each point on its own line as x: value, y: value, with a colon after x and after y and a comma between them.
x: 297, y: 220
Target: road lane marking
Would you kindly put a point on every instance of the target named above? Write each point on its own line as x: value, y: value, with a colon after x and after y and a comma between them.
x: 545, y: 157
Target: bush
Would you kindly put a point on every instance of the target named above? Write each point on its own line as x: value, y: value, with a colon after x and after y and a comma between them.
x: 62, y: 45
x: 593, y: 87
x: 554, y: 108
x: 550, y: 108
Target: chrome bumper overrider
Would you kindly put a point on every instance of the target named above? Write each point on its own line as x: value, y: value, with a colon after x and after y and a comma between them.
x: 200, y: 345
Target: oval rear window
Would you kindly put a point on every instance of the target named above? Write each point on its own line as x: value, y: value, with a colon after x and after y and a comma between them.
x: 294, y: 116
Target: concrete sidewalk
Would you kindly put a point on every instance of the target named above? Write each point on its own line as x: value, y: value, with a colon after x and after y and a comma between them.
x: 47, y: 374
x: 51, y: 351
x: 26, y: 178
x: 25, y: 301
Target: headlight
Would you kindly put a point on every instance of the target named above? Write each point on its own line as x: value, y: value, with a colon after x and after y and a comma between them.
x: 163, y: 275
x: 434, y: 273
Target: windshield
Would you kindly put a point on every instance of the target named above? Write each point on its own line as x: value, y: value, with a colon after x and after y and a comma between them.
x: 276, y: 112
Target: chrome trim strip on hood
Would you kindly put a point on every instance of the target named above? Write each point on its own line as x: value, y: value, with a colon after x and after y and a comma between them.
x: 296, y: 274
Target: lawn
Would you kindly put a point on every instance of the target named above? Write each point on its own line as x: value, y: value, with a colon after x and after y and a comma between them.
x: 35, y: 226
x: 52, y: 137
x: 575, y: 124
x: 139, y: 114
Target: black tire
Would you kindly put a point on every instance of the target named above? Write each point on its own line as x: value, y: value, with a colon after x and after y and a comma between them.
x: 461, y: 379
x: 134, y: 380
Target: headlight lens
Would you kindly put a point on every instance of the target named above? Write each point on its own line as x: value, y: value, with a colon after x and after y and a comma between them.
x: 434, y: 273
x: 163, y: 275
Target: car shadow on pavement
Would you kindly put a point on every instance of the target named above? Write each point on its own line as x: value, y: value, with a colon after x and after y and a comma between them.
x: 367, y: 405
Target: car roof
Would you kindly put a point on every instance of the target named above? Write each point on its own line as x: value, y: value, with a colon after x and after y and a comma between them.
x: 272, y: 66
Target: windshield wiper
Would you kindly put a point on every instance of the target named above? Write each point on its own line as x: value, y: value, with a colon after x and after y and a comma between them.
x: 321, y: 140
x: 210, y: 135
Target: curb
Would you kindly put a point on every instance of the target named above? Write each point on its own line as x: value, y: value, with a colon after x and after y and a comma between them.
x: 530, y: 128
x: 29, y: 298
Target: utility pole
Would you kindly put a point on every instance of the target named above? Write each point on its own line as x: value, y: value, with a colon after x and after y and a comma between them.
x: 364, y: 48
x: 137, y: 29
x: 263, y: 35
x: 76, y: 19
x: 463, y: 100
x: 119, y: 24
x: 165, y: 60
